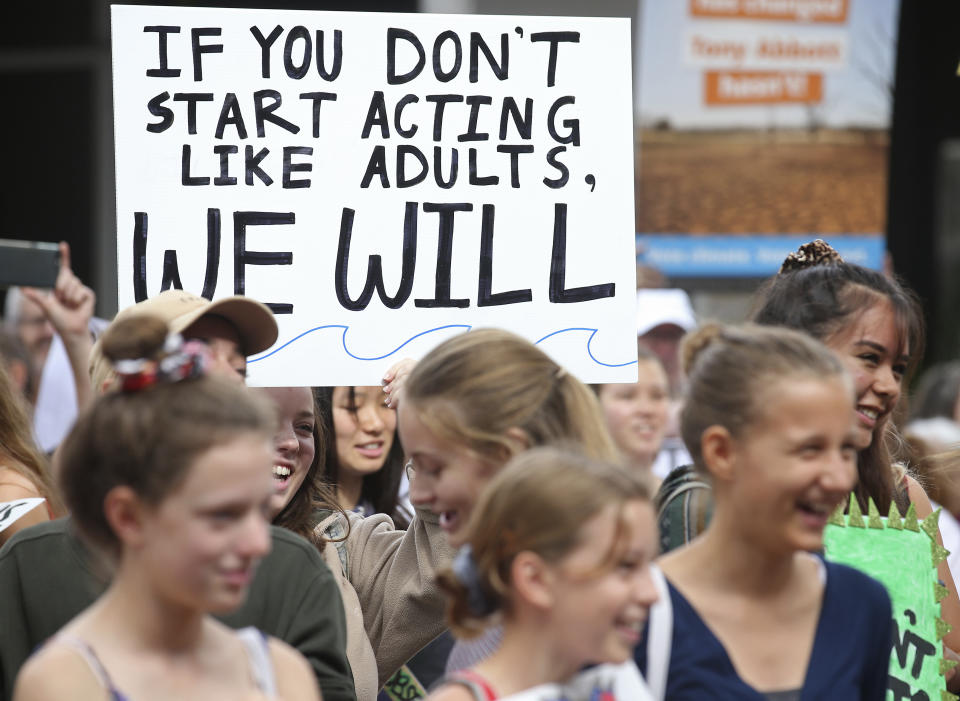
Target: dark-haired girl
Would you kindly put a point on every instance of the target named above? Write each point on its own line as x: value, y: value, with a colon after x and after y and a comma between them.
x: 385, y: 575
x: 363, y: 460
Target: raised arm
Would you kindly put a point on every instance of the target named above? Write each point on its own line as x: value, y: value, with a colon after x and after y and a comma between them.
x: 69, y: 307
x: 393, y: 573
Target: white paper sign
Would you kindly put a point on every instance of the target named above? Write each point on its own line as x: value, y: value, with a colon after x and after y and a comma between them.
x: 12, y: 511
x: 604, y: 683
x: 384, y: 181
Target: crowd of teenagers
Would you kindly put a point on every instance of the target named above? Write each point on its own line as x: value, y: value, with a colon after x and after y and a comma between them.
x: 480, y: 525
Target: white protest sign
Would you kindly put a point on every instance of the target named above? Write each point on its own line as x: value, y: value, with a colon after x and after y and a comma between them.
x: 603, y: 683
x: 12, y: 511
x: 383, y: 181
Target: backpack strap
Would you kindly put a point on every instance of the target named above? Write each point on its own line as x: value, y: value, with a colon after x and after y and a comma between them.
x: 679, y: 490
x: 684, y: 505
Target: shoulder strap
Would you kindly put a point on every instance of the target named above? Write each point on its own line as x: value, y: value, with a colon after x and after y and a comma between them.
x: 475, y: 684
x: 659, y: 637
x: 681, y: 480
x: 89, y: 655
x: 684, y: 506
x: 261, y: 665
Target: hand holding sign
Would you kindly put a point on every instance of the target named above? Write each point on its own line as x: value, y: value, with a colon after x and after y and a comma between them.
x: 393, y: 380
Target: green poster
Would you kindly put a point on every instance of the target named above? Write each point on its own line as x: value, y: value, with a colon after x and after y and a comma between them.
x: 903, y: 554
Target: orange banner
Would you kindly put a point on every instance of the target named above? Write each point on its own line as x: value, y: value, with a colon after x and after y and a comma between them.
x: 761, y: 87
x: 832, y: 11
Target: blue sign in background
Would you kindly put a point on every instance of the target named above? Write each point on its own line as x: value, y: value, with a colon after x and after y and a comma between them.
x: 690, y: 255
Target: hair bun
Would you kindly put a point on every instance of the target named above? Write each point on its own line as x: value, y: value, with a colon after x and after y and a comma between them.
x: 696, y: 342
x: 140, y: 336
x: 810, y: 255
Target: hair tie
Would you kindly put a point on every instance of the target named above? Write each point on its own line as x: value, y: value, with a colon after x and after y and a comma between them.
x: 560, y: 372
x: 809, y: 255
x: 465, y: 570
x: 181, y: 360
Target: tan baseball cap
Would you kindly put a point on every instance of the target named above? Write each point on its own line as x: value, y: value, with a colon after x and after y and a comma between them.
x: 254, y: 322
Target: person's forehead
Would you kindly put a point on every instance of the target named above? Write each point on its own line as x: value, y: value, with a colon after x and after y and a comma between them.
x: 876, y: 325
x: 211, y: 326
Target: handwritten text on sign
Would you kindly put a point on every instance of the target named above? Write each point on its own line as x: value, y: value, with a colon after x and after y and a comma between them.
x: 382, y: 181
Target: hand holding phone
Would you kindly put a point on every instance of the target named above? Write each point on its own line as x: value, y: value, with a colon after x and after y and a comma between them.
x: 70, y: 306
x: 35, y: 263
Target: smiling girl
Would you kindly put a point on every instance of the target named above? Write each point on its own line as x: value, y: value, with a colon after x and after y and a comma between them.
x: 298, y: 490
x: 875, y: 326
x: 638, y: 413
x: 471, y: 404
x: 769, y: 421
x: 477, y: 400
x: 170, y: 479
x: 385, y: 575
x: 561, y: 547
x: 363, y: 460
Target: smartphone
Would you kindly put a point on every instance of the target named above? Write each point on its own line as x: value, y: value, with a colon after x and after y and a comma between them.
x: 31, y: 263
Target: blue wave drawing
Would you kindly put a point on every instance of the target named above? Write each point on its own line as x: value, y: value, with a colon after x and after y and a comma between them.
x: 466, y: 327
x: 343, y: 340
x: 593, y: 332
